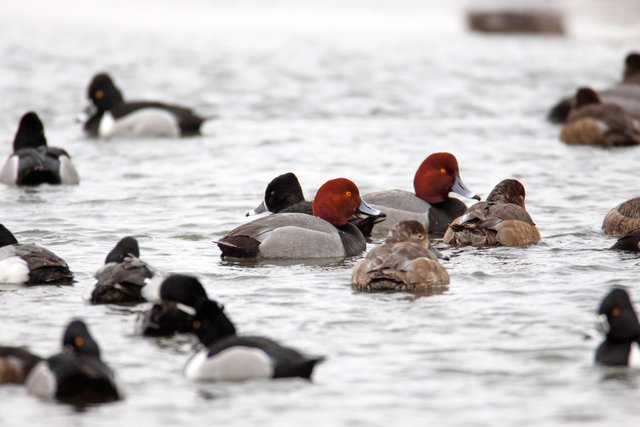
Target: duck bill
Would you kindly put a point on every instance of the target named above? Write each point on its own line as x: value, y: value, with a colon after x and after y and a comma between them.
x: 602, y: 324
x: 458, y: 187
x: 364, y: 210
x: 437, y: 253
x: 85, y: 115
x: 260, y: 209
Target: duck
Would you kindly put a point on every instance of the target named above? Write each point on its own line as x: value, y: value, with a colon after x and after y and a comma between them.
x: 629, y: 242
x: 618, y: 320
x: 30, y: 264
x: 501, y: 220
x: 33, y: 162
x: 174, y: 313
x: 77, y: 374
x: 227, y: 356
x: 15, y: 364
x: 284, y: 194
x: 623, y: 218
x: 121, y: 279
x: 406, y: 261
x: 112, y: 116
x: 592, y: 122
x: 625, y: 93
x: 437, y: 176
x: 325, y: 234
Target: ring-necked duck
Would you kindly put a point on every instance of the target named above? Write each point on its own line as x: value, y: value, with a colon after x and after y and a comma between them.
x: 618, y: 320
x: 501, y: 220
x: 174, y: 313
x: 623, y: 218
x: 123, y: 275
x: 29, y: 264
x: 77, y: 374
x: 325, y: 234
x: 229, y: 357
x: 591, y: 122
x: 405, y: 262
x: 284, y: 194
x: 33, y: 162
x: 115, y: 117
x: 437, y: 176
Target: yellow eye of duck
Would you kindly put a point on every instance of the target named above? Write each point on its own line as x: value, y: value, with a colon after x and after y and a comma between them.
x: 78, y: 341
x: 99, y: 94
x: 196, y: 324
x: 348, y: 193
x: 616, y: 312
x: 443, y: 170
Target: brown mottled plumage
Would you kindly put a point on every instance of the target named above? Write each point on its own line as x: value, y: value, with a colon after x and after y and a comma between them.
x: 405, y: 262
x: 623, y: 218
x: 501, y: 220
x: 591, y: 122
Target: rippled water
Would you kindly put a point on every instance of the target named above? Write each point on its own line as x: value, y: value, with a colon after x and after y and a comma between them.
x: 365, y: 92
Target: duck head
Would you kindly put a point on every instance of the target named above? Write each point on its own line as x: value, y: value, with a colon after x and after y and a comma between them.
x: 30, y: 132
x: 103, y: 93
x: 338, y: 200
x: 437, y: 176
x: 631, y: 65
x: 78, y: 341
x: 127, y: 246
x: 617, y: 317
x: 210, y: 323
x: 282, y: 192
x: 586, y: 96
x: 508, y: 191
x: 412, y: 231
x: 6, y: 237
x: 183, y: 289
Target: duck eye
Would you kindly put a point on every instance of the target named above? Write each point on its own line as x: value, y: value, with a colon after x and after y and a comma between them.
x: 196, y: 324
x: 443, y: 170
x: 78, y: 341
x: 420, y: 236
x: 99, y: 94
x: 616, y: 312
x: 348, y: 193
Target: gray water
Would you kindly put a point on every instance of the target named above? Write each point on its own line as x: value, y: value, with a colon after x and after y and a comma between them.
x: 363, y: 90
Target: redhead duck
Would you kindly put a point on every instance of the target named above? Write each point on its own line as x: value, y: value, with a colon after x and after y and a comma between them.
x: 77, y: 374
x: 618, y: 320
x: 437, y: 176
x: 284, y: 194
x: 405, y: 262
x: 623, y: 218
x: 174, y: 313
x: 501, y: 220
x: 325, y: 234
x: 229, y: 357
x: 626, y: 93
x: 629, y: 242
x: 112, y: 116
x: 33, y: 162
x: 15, y: 364
x: 591, y: 122
x: 123, y: 275
x: 29, y: 264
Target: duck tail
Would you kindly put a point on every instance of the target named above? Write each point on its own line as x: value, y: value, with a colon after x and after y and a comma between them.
x: 305, y: 369
x: 238, y: 246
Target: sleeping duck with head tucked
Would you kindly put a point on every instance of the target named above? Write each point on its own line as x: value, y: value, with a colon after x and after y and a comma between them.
x: 623, y: 218
x: 325, y: 234
x: 405, y: 262
x: 501, y: 220
x: 437, y: 176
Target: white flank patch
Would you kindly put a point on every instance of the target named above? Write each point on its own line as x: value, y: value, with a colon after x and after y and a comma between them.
x: 14, y: 270
x: 151, y: 289
x: 9, y: 173
x: 68, y: 173
x: 634, y: 355
x: 237, y: 363
x: 154, y: 122
x: 41, y: 381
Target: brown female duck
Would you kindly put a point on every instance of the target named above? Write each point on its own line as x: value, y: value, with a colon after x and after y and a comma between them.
x: 592, y: 122
x: 501, y: 220
x: 623, y: 218
x: 405, y: 262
